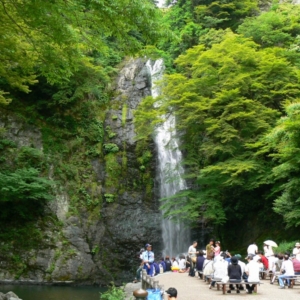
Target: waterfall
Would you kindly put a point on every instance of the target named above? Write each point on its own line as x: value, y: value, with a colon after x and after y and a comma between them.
x: 176, y: 237
x: 161, y: 3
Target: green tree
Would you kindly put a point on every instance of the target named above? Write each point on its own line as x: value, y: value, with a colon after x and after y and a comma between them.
x: 225, y: 99
x: 278, y: 27
x: 54, y: 39
x: 284, y: 142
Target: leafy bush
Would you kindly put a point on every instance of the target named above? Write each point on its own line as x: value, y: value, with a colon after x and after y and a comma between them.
x: 111, y: 148
x: 109, y: 197
x: 285, y: 247
x: 23, y: 192
x: 114, y: 293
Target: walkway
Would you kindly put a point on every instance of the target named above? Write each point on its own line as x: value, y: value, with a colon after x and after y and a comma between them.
x: 193, y: 288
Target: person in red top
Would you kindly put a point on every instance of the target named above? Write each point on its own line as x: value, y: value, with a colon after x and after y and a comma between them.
x: 264, y: 260
x: 296, y: 265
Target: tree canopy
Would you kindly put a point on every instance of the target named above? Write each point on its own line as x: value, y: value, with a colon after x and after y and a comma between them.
x: 228, y: 93
x: 55, y: 39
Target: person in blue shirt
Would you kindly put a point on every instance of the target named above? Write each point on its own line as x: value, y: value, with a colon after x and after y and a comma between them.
x: 163, y: 264
x: 148, y: 259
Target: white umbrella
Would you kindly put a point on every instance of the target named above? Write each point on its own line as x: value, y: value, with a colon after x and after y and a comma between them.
x: 270, y: 243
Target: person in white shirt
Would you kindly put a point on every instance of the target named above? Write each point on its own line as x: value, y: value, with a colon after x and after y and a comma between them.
x: 252, y: 270
x: 296, y: 251
x: 252, y: 249
x: 182, y: 264
x: 220, y: 267
x: 208, y: 267
x: 287, y: 269
x: 268, y: 251
x: 193, y: 258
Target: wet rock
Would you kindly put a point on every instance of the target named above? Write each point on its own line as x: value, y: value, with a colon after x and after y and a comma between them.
x: 9, y: 296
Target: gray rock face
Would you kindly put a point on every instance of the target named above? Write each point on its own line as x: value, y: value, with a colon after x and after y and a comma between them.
x: 21, y: 133
x: 97, y: 250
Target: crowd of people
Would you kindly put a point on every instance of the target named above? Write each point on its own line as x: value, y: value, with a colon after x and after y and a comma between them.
x: 222, y: 266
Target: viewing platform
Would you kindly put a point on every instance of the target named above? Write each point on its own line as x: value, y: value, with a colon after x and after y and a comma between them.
x: 194, y: 288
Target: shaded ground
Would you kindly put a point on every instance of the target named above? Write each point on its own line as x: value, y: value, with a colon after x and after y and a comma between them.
x: 193, y: 288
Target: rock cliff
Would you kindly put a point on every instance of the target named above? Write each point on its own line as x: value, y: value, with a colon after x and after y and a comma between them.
x: 96, y: 247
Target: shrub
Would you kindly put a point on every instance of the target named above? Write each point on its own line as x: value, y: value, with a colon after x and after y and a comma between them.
x: 114, y: 293
x: 111, y: 148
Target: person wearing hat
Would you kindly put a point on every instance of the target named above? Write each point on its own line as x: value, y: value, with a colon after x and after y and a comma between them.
x: 148, y: 259
x: 172, y: 293
x: 234, y: 273
x: 296, y: 251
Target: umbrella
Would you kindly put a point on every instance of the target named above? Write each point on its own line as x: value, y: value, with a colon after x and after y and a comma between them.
x: 270, y: 243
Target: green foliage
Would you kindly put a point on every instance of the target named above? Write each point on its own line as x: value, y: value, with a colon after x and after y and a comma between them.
x: 284, y: 140
x: 191, y: 19
x: 225, y: 14
x: 110, y: 148
x: 278, y: 27
x: 109, y: 197
x: 55, y: 39
x: 23, y: 189
x: 114, y: 293
x: 285, y: 247
x: 124, y: 114
x: 225, y: 99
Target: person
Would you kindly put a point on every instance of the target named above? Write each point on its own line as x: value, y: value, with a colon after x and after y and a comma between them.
x: 199, y: 262
x: 234, y: 273
x: 228, y: 257
x: 268, y: 251
x: 220, y: 267
x: 252, y: 249
x: 163, y: 264
x: 139, y: 270
x: 243, y: 266
x: 210, y: 248
x: 172, y: 293
x: 175, y: 266
x: 264, y: 260
x: 148, y: 259
x: 287, y: 270
x: 277, y: 267
x: 208, y: 267
x: 252, y: 271
x: 168, y: 264
x: 156, y: 268
x: 192, y: 252
x: 217, y: 249
x: 182, y: 264
x: 296, y: 251
x: 296, y: 265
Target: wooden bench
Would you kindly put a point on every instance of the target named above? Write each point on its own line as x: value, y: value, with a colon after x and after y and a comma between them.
x: 293, y: 279
x: 220, y: 283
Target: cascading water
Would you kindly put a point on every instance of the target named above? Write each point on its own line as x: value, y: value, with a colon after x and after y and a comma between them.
x: 176, y: 236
